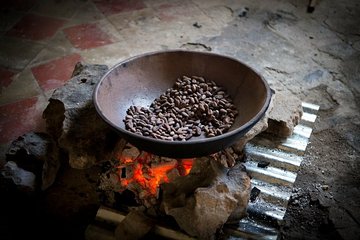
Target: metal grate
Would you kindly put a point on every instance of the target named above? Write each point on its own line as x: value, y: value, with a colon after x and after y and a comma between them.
x: 275, y: 181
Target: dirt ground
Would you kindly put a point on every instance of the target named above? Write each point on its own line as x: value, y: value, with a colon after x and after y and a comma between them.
x: 325, y: 203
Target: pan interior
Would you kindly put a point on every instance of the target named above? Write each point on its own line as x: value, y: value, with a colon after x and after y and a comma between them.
x: 138, y: 81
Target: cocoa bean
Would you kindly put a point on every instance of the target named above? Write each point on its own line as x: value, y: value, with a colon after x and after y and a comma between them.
x: 194, y: 105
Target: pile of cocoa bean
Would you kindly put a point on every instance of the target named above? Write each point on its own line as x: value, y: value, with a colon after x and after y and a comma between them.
x: 192, y: 107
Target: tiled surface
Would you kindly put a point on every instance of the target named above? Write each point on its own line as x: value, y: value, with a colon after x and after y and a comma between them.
x: 87, y: 13
x: 17, y: 53
x: 112, y: 7
x: 18, y: 5
x: 35, y: 27
x: 88, y: 35
x: 7, y: 20
x: 42, y: 40
x: 5, y: 78
x: 23, y: 85
x: 108, y: 55
x: 57, y: 47
x: 176, y: 10
x: 56, y: 8
x: 19, y: 117
x: 55, y: 73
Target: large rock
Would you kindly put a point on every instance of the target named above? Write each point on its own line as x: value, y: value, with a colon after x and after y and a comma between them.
x: 72, y: 120
x: 37, y: 154
x: 259, y: 127
x: 219, y: 194
x: 285, y: 114
x: 13, y: 177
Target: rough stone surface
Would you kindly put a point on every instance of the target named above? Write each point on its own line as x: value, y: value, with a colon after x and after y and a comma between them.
x: 219, y: 195
x: 259, y: 127
x: 38, y: 154
x: 285, y: 114
x: 72, y: 120
x: 12, y: 176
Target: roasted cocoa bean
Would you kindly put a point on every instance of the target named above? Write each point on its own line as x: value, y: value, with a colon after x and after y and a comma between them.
x: 194, y: 105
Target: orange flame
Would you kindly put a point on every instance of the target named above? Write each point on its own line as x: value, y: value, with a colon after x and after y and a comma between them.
x: 187, y: 165
x: 149, y: 175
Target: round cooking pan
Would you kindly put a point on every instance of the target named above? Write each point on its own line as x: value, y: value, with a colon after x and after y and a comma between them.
x: 139, y: 80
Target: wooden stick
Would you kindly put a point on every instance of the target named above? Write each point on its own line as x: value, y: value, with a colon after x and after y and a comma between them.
x: 94, y: 232
x: 110, y: 218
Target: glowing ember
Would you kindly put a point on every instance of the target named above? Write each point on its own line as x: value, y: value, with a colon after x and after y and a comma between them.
x: 143, y: 171
x: 187, y: 165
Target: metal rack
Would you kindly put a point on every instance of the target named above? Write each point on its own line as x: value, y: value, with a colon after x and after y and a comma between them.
x: 274, y: 183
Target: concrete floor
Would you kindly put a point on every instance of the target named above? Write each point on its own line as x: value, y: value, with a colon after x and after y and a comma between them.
x: 313, y: 56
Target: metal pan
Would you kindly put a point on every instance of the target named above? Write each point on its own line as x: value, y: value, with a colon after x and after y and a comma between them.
x: 141, y: 79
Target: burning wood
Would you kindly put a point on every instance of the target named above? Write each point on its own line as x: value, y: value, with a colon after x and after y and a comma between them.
x: 135, y: 226
x: 142, y: 173
x: 108, y: 221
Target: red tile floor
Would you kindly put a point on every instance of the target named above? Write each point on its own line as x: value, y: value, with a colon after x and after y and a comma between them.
x: 42, y: 40
x: 28, y: 29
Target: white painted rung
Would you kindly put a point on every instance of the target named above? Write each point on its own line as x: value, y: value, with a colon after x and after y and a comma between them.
x: 310, y: 106
x: 249, y: 229
x: 270, y: 174
x: 275, y: 157
x: 308, y: 117
x: 295, y: 142
x: 267, y: 209
x: 276, y: 214
x: 302, y: 130
x: 279, y: 192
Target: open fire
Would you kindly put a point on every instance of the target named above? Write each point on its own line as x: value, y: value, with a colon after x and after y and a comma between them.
x: 145, y: 173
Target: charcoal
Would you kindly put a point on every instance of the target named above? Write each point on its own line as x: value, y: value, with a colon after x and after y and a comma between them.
x: 263, y: 164
x: 254, y: 194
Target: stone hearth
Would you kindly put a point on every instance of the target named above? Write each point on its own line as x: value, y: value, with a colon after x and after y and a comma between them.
x: 214, y: 192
